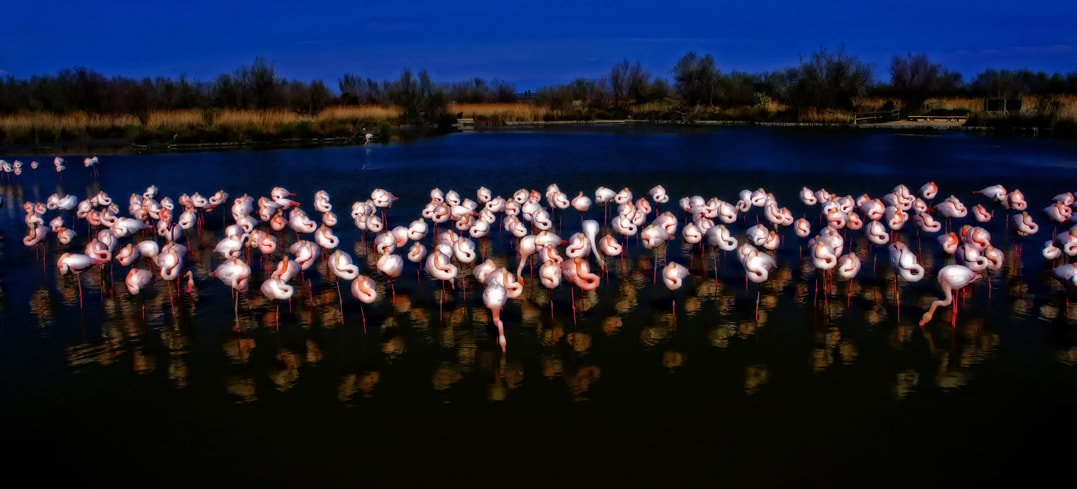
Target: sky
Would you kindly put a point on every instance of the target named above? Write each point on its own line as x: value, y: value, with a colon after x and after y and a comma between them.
x: 531, y: 44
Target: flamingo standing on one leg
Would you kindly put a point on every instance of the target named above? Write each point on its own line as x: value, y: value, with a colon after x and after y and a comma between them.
x: 392, y: 265
x: 236, y: 274
x: 673, y: 276
x: 277, y: 289
x: 364, y: 289
x: 342, y: 267
x: 137, y: 279
x: 757, y: 268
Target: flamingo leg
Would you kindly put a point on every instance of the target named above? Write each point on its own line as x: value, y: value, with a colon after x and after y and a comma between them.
x: 572, y: 295
x: 340, y: 300
x: 757, y: 292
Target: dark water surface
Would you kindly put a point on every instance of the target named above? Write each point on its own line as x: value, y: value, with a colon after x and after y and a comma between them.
x: 632, y: 382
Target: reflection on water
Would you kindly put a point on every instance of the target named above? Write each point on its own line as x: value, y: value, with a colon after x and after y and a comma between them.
x: 631, y: 345
x: 564, y: 327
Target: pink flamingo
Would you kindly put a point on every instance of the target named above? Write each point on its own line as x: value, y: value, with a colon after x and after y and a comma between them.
x: 673, y: 276
x: 950, y: 277
x: 76, y: 263
x: 364, y: 289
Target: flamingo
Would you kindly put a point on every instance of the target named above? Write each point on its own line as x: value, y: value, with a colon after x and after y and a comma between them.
x: 848, y: 267
x: 276, y: 289
x: 757, y: 268
x: 341, y: 266
x: 905, y: 264
x: 170, y: 261
x: 950, y: 277
x: 392, y: 265
x: 364, y: 289
x: 674, y: 275
x: 494, y: 297
x: 439, y: 266
x: 76, y: 263
x: 997, y: 193
x: 136, y: 280
x: 929, y: 190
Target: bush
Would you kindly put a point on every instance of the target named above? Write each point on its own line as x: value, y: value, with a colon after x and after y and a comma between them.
x: 383, y: 132
x: 1066, y: 128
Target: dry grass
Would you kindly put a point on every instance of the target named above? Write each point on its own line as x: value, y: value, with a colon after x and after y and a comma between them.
x: 873, y: 103
x: 504, y: 112
x: 826, y: 116
x: 1030, y: 106
x: 78, y: 121
x: 361, y: 112
x: 194, y: 118
x: 1069, y: 106
x: 257, y: 118
x: 973, y: 105
x: 175, y: 118
x: 47, y: 126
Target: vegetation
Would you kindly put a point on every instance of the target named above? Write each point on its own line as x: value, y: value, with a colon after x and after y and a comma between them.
x: 253, y: 103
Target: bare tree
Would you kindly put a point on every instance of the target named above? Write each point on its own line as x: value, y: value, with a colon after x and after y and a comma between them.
x: 914, y: 79
x: 695, y: 79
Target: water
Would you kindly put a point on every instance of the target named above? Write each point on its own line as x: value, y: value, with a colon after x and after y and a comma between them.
x: 632, y: 382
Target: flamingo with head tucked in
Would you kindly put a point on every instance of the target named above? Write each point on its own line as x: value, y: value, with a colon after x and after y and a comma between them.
x: 364, y: 289
x: 673, y: 275
x: 276, y: 289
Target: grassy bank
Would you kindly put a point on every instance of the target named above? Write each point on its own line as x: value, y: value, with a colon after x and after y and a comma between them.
x: 1056, y: 115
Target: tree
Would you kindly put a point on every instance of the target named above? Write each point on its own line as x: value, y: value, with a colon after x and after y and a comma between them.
x: 421, y: 103
x: 258, y: 85
x: 914, y: 79
x: 1006, y: 84
x: 695, y: 79
x: 825, y: 80
x: 738, y: 89
x: 627, y: 82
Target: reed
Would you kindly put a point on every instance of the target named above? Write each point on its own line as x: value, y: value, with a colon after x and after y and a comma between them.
x: 501, y: 112
x: 47, y: 126
x: 176, y: 118
x: 826, y: 116
x: 1069, y: 106
x: 378, y: 113
x: 972, y: 105
x: 873, y: 103
x: 257, y: 118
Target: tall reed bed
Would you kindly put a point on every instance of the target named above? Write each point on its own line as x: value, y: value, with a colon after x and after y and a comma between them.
x: 377, y: 113
x: 825, y: 116
x: 501, y: 112
x: 41, y: 126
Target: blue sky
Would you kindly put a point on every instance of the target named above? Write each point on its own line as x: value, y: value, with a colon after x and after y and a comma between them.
x: 528, y: 43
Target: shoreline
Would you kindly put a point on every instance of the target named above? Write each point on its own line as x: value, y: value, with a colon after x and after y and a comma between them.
x: 122, y: 146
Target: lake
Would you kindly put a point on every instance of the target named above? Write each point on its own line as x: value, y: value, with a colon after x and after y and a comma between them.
x: 800, y: 380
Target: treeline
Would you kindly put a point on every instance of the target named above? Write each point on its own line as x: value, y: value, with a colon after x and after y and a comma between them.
x: 256, y: 87
x: 696, y: 87
x: 822, y: 80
